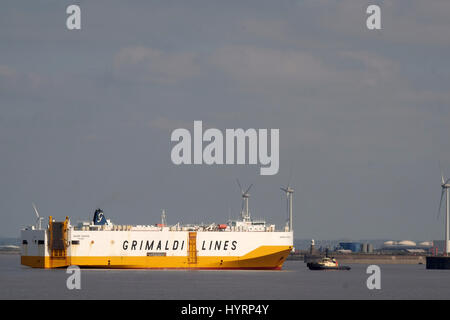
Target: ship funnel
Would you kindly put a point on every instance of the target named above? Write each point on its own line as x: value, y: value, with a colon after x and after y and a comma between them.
x: 99, y: 218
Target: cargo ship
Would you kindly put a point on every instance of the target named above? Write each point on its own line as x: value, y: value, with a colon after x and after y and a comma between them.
x: 239, y: 244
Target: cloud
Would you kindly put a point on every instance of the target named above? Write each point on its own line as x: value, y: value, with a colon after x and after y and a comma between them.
x: 154, y: 65
x: 6, y: 72
x: 269, y: 71
x: 369, y: 68
x: 269, y: 28
x: 165, y: 124
x: 412, y: 22
x: 258, y: 68
x: 17, y: 83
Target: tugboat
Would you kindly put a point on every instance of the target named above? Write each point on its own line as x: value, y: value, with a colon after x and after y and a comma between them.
x: 326, y: 264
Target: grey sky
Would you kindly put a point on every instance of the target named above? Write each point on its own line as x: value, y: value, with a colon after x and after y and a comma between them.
x: 364, y: 116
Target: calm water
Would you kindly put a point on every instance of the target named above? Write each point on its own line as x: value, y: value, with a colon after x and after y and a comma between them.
x: 295, y: 281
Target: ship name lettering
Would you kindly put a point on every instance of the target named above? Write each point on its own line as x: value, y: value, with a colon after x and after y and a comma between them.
x: 217, y: 245
x: 149, y: 247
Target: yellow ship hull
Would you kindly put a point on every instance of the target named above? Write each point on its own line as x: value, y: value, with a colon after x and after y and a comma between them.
x: 264, y: 257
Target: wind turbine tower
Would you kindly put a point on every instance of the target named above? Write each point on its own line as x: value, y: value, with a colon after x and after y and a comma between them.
x: 289, y: 192
x: 445, y: 185
x: 245, y: 195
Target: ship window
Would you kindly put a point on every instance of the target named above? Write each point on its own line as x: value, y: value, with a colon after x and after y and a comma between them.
x: 75, y: 241
x: 40, y: 241
x: 24, y: 242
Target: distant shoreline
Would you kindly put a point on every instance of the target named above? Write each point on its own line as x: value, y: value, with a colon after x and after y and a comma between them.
x: 9, y: 252
x: 359, y: 258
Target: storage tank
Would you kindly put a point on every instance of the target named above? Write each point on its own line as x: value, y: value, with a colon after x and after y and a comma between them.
x: 408, y: 243
x: 364, y: 247
x: 426, y: 244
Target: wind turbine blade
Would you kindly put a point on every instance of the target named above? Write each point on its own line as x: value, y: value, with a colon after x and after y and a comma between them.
x: 249, y: 188
x: 440, y: 203
x: 35, y: 210
x: 240, y: 187
x: 442, y: 172
x: 446, y: 182
x: 290, y: 178
x: 285, y: 190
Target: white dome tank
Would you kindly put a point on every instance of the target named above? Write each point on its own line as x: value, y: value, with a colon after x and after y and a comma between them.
x: 408, y: 243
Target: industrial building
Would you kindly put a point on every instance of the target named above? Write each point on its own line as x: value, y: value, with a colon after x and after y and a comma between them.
x: 349, y: 247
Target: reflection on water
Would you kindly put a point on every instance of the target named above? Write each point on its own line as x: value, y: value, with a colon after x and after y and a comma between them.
x: 295, y: 281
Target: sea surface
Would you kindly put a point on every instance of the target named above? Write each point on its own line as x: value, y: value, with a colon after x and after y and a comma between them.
x: 295, y: 281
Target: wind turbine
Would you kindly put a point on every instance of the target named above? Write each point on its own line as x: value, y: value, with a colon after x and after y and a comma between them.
x: 289, y: 192
x: 39, y: 219
x: 245, y: 195
x: 445, y: 185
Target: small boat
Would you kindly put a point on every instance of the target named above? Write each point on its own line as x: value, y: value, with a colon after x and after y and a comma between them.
x: 326, y: 264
